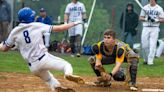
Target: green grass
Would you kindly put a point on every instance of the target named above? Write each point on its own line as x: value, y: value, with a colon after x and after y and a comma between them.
x: 13, y: 62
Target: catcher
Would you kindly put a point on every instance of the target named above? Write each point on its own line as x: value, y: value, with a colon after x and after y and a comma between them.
x: 110, y: 51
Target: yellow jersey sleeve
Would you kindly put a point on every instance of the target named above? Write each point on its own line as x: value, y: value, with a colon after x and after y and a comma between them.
x: 99, y: 55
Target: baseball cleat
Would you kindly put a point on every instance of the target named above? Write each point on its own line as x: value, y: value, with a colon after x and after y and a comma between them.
x: 78, y: 55
x: 74, y: 78
x: 64, y: 89
x: 133, y: 86
x: 145, y: 62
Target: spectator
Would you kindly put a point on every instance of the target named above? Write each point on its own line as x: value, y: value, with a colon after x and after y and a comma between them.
x: 64, y: 47
x: 5, y: 19
x: 151, y: 16
x: 46, y: 20
x: 128, y: 23
x: 43, y: 17
x: 73, y: 12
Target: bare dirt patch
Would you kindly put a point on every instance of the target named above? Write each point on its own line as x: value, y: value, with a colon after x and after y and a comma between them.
x: 16, y: 82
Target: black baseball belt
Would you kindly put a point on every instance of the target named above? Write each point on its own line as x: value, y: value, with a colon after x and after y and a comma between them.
x: 38, y: 59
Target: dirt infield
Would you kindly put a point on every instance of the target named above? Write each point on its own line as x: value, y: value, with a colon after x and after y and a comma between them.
x: 16, y: 82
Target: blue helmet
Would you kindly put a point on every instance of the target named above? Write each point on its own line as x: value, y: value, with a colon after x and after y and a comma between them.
x: 26, y: 15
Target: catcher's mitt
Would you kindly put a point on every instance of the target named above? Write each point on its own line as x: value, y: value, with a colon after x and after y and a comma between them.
x: 103, y: 83
x: 99, y: 83
x: 106, y: 76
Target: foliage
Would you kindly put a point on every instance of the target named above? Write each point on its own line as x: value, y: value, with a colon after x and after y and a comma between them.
x: 102, y: 17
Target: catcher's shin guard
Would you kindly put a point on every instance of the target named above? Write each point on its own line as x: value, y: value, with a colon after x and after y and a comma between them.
x: 133, y: 71
x: 74, y: 78
x: 63, y: 89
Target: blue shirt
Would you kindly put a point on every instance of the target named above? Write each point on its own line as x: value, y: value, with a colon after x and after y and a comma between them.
x: 46, y: 20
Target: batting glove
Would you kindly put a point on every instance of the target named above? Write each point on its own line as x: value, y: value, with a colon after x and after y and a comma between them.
x: 65, y: 23
x: 147, y: 18
x: 156, y: 20
x: 1, y: 44
x: 85, y: 25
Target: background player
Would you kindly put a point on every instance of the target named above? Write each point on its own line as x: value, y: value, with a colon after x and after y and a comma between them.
x: 28, y: 36
x: 151, y: 16
x: 160, y: 48
x: 73, y: 12
x: 113, y: 51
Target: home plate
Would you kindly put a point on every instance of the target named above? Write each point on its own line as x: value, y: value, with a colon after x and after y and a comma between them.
x: 153, y: 90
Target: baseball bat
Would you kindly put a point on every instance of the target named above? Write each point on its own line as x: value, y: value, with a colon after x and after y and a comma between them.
x: 139, y: 4
x: 89, y: 20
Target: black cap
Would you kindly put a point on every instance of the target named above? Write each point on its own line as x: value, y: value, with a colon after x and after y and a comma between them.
x: 42, y: 10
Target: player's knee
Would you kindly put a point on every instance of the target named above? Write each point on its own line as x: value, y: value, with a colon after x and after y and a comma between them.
x: 134, y: 64
x: 35, y: 71
x: 68, y: 66
x: 68, y: 69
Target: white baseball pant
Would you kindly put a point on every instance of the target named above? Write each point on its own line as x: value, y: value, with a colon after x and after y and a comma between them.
x: 49, y: 62
x: 76, y: 30
x: 149, y: 39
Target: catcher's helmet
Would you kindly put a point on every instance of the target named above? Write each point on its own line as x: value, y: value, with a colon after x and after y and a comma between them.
x: 26, y: 15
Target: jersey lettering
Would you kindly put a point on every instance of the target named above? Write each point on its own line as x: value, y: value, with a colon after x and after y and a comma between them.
x: 152, y: 12
x: 76, y: 9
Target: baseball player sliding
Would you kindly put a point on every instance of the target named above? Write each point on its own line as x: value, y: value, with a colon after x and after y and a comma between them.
x: 151, y: 15
x: 28, y: 36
